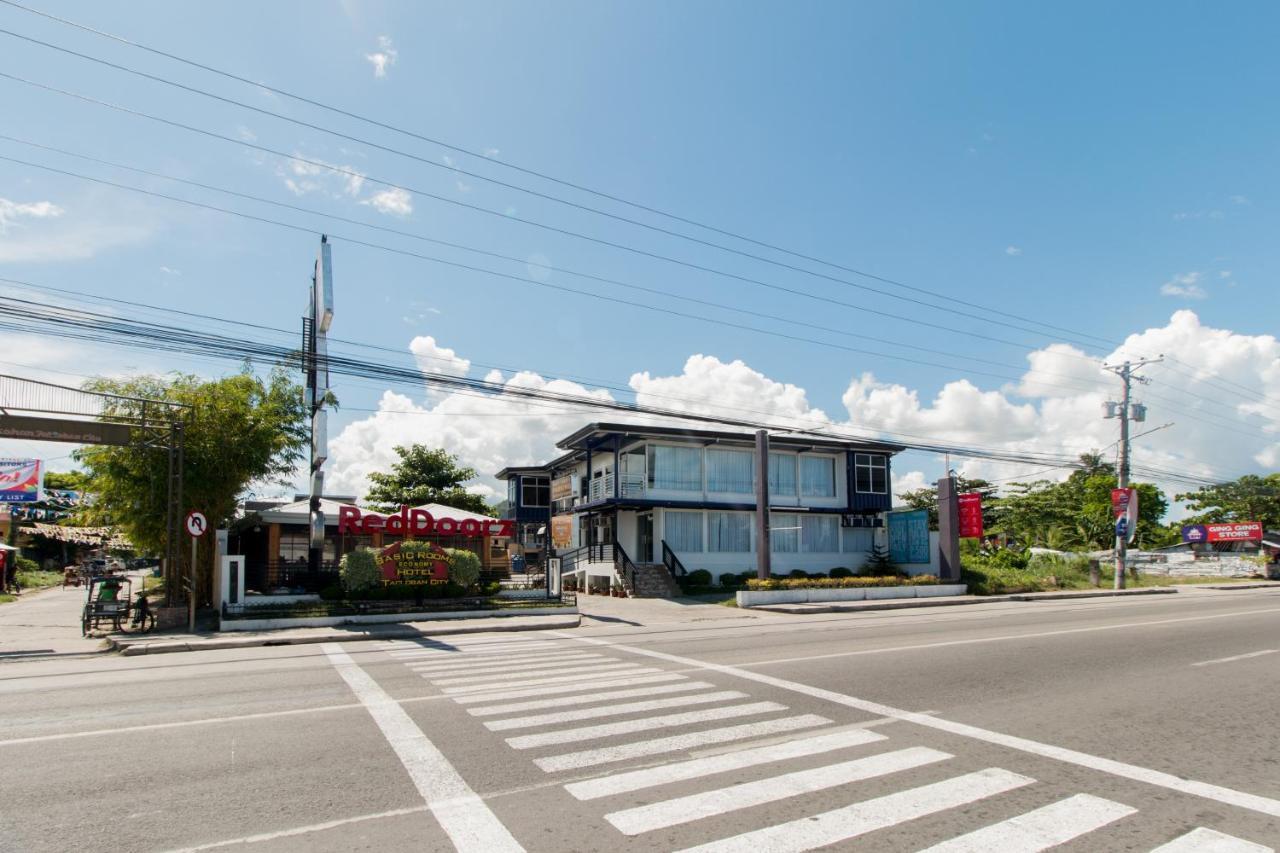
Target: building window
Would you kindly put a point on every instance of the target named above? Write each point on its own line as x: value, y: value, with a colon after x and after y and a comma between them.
x: 817, y: 477
x: 513, y: 493
x: 730, y: 471
x: 682, y: 531
x: 729, y: 532
x: 784, y: 532
x: 535, y: 491
x: 678, y: 469
x: 782, y: 474
x: 819, y: 534
x: 857, y: 540
x: 871, y: 474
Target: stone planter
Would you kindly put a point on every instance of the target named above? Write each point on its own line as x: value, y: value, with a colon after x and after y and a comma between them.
x: 756, y: 598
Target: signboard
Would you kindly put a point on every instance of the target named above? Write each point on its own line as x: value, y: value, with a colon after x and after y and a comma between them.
x: 35, y: 428
x: 1124, y: 502
x: 20, y: 480
x: 561, y: 488
x: 196, y: 523
x: 909, y: 536
x: 971, y: 515
x: 419, y: 522
x: 561, y: 531
x: 1245, y: 531
x: 413, y: 563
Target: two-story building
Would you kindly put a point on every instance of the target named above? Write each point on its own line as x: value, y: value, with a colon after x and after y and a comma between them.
x: 529, y: 506
x: 686, y: 498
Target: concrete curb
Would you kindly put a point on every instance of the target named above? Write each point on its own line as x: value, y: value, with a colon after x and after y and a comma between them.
x: 1101, y: 593
x: 907, y: 603
x: 128, y: 647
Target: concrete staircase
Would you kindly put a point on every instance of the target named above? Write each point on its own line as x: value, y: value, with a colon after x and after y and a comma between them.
x: 654, y: 581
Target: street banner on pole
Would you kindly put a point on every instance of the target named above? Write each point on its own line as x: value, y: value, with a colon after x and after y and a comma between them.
x: 971, y: 515
x: 1124, y: 502
x: 20, y: 480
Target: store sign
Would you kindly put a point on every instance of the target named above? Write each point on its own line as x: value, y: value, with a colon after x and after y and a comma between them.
x: 1124, y: 505
x: 413, y: 564
x: 20, y: 480
x: 1245, y: 531
x: 561, y: 531
x: 419, y: 522
x: 971, y: 515
x: 562, y: 487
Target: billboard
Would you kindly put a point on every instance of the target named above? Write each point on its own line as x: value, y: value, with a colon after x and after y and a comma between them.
x: 971, y: 515
x: 21, y: 480
x: 1245, y: 531
x: 909, y: 537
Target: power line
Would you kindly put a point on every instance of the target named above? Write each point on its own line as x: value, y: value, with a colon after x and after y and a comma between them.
x: 541, y: 175
x: 513, y: 218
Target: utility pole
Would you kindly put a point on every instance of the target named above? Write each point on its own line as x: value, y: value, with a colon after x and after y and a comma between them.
x: 1126, y: 411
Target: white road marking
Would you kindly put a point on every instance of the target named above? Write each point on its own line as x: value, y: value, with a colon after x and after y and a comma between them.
x: 644, y: 724
x: 1201, y: 840
x: 461, y: 654
x: 466, y: 819
x: 586, y: 699
x: 499, y: 694
x: 612, y: 710
x: 649, y: 777
x: 850, y: 821
x: 1054, y: 824
x: 298, y: 830
x: 522, y: 665
x: 1237, y: 657
x: 660, y: 815
x: 675, y: 743
x: 617, y: 671
x: 605, y: 665
x: 1218, y: 793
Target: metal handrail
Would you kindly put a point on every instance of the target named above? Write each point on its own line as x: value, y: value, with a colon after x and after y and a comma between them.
x: 625, y: 569
x: 672, y: 562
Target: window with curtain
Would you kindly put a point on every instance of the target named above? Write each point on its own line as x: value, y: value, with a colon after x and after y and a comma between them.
x: 871, y: 473
x: 730, y: 471
x: 817, y: 476
x: 782, y: 474
x: 784, y: 532
x: 682, y: 531
x: 729, y: 532
x: 819, y: 534
x: 857, y: 540
x: 675, y: 468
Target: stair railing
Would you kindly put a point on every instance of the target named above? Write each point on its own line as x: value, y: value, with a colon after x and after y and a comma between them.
x: 672, y: 562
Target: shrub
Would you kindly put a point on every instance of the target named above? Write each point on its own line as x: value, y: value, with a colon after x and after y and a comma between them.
x: 464, y: 566
x: 698, y: 577
x: 332, y: 592
x: 796, y: 574
x: 359, y: 570
x: 840, y: 583
x: 841, y: 572
x: 25, y: 565
x: 729, y: 580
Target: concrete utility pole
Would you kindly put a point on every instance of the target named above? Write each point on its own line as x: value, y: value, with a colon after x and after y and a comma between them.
x: 1126, y: 410
x: 948, y: 529
x: 764, y: 551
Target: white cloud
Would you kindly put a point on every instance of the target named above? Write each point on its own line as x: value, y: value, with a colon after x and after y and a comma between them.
x: 384, y: 57
x: 1185, y: 285
x: 1224, y: 274
x: 708, y: 385
x: 12, y: 212
x: 1012, y: 251
x: 491, y: 152
x: 392, y: 201
x: 433, y: 358
x: 170, y: 271
x: 314, y: 175
x: 462, y: 186
x: 44, y: 232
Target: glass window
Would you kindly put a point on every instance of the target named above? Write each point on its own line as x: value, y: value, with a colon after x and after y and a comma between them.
x: 817, y: 476
x: 871, y: 473
x: 535, y: 491
x: 675, y: 468
x: 513, y: 492
x: 784, y: 532
x: 682, y: 531
x: 729, y: 532
x: 857, y: 540
x: 819, y: 534
x: 730, y: 471
x: 782, y: 474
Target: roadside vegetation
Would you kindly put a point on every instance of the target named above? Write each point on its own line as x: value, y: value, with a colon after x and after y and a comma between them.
x: 1003, y: 571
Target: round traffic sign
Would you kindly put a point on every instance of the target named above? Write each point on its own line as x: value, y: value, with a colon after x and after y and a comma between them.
x: 196, y: 523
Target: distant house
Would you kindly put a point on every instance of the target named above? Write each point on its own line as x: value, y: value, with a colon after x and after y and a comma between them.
x: 528, y: 504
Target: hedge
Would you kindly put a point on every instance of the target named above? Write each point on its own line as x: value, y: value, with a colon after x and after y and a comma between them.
x: 839, y: 583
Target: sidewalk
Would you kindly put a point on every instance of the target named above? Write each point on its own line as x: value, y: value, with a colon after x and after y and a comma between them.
x: 45, y: 623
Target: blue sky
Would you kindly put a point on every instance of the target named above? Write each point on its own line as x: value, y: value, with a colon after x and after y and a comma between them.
x: 1063, y: 163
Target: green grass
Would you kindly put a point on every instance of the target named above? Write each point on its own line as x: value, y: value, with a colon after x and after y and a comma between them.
x: 39, y: 580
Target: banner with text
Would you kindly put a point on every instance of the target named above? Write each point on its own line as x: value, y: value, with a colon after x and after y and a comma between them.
x: 1245, y: 531
x: 971, y: 515
x: 20, y: 480
x: 1124, y: 509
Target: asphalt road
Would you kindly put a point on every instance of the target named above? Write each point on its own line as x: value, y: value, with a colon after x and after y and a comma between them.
x: 1131, y: 724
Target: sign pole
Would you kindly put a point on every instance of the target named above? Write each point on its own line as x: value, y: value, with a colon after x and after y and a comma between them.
x: 191, y: 593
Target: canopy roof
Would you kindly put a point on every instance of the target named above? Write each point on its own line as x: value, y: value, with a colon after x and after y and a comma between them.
x: 299, y: 512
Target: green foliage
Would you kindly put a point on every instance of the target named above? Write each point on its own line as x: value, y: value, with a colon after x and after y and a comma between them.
x: 841, y: 572
x: 69, y: 481
x: 698, y: 577
x: 424, y: 476
x: 840, y: 583
x: 927, y: 499
x: 1250, y: 498
x: 1005, y: 570
x: 24, y: 564
x: 879, y: 563
x: 359, y: 570
x: 730, y: 580
x: 35, y: 579
x: 464, y: 566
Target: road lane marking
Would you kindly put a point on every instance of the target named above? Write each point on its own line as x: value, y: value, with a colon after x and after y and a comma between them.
x: 585, y: 699
x: 649, y: 777
x: 860, y: 818
x: 644, y: 724
x: 660, y: 815
x: 469, y: 823
x: 1056, y: 823
x: 1237, y: 657
x: 297, y: 830
x: 675, y: 743
x: 604, y: 665
x: 498, y: 694
x: 619, y: 671
x: 455, y: 665
x: 1205, y: 790
x: 617, y: 710
x: 509, y: 666
x: 1201, y: 840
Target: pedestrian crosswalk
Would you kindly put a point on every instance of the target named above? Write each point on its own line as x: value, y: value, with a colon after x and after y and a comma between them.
x: 660, y: 749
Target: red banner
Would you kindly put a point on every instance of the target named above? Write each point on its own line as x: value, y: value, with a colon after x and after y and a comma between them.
x: 1124, y: 504
x: 971, y: 515
x: 1245, y: 531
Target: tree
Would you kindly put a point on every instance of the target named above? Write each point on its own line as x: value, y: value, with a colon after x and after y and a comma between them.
x: 67, y: 481
x: 927, y: 498
x: 424, y: 476
x: 1251, y: 498
x: 240, y: 430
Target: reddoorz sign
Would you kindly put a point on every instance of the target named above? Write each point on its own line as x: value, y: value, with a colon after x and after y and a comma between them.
x: 419, y: 522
